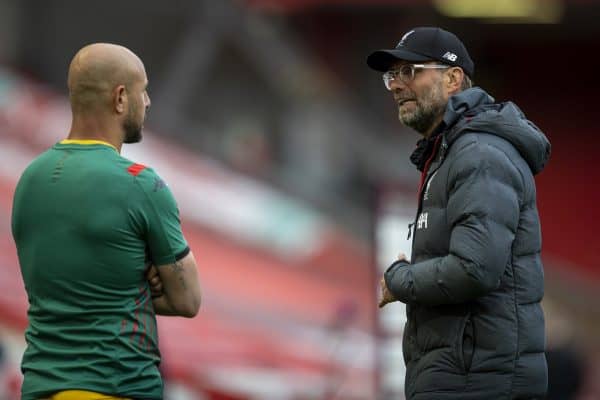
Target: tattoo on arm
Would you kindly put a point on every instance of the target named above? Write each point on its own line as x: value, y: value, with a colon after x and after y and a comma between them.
x: 178, y: 269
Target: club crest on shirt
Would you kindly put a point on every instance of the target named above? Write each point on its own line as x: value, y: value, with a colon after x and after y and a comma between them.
x: 159, y: 184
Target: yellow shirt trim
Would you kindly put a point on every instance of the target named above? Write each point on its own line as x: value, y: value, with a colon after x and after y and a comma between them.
x: 82, y: 395
x: 86, y: 142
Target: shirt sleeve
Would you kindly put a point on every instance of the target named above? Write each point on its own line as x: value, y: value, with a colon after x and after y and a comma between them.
x: 156, y: 217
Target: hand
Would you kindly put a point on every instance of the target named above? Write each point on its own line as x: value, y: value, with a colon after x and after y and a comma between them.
x: 156, y: 286
x: 402, y: 257
x: 386, y: 295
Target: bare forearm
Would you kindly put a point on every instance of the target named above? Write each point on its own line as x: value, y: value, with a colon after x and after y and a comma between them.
x: 163, y: 307
x: 181, y: 286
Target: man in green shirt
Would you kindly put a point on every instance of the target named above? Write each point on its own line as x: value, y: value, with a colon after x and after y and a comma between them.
x: 100, y: 244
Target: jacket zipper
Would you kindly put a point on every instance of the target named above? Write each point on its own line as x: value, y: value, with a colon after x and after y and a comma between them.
x: 425, y: 177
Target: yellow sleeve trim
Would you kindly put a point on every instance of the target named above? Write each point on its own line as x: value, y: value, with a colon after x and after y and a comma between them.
x: 82, y: 395
x: 86, y: 142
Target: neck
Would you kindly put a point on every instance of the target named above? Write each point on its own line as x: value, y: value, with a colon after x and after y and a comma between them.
x: 91, y: 127
x: 433, y: 127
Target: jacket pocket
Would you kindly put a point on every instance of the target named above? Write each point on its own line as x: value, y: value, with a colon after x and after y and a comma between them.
x: 466, y: 344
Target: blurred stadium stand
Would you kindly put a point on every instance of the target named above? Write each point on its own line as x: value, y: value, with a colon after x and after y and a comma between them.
x: 287, y: 161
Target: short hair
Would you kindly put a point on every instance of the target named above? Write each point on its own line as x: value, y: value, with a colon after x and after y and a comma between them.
x: 467, y: 82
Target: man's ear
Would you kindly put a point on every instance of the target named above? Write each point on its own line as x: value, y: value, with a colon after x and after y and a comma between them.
x: 120, y: 99
x: 454, y: 78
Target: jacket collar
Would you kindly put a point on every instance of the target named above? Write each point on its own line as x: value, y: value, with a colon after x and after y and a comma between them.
x: 463, y: 104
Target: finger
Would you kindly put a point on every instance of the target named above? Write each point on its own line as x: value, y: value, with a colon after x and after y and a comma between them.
x: 152, y: 271
x: 402, y: 256
x: 155, y: 280
x: 385, y: 298
x: 156, y: 290
x: 156, y: 287
x: 382, y: 285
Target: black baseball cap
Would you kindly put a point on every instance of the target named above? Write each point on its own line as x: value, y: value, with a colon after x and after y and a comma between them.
x: 425, y: 44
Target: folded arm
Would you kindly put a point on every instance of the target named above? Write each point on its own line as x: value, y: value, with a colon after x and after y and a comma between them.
x: 181, y: 294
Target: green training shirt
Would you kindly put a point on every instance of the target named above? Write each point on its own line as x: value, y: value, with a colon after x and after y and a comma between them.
x: 87, y: 224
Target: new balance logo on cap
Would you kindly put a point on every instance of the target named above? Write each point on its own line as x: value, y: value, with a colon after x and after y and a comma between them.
x: 450, y: 56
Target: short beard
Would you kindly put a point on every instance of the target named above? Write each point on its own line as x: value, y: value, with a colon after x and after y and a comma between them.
x: 427, y: 111
x: 133, y: 130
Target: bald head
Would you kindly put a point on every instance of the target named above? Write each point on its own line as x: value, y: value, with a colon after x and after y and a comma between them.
x: 96, y: 70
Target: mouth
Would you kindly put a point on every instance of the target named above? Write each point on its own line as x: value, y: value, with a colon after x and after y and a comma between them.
x: 401, y: 102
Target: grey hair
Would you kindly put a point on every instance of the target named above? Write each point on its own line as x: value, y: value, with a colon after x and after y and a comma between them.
x: 467, y: 83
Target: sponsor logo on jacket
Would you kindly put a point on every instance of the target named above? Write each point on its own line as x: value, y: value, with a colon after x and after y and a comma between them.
x: 422, y: 221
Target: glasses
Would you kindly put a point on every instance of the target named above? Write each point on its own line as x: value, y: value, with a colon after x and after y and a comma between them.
x: 406, y: 73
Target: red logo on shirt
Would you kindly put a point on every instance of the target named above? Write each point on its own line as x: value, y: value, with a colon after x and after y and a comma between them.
x: 135, y: 169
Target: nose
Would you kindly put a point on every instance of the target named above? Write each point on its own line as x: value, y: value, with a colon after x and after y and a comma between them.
x: 397, y: 84
x: 148, y: 102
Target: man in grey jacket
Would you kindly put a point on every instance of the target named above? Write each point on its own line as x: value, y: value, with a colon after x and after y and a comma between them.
x: 473, y: 288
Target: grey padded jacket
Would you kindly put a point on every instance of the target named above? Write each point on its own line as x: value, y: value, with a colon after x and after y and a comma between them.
x: 473, y: 288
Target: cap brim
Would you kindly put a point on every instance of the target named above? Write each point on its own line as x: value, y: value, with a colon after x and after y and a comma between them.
x: 382, y: 60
